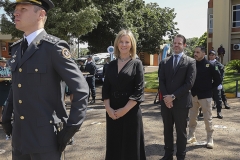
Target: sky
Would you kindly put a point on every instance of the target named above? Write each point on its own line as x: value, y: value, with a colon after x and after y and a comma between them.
x: 191, y: 15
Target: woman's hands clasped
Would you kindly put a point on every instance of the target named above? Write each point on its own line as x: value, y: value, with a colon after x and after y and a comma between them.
x: 115, y: 114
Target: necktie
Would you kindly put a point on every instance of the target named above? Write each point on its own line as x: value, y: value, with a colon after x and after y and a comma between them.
x: 175, y: 61
x: 24, y: 45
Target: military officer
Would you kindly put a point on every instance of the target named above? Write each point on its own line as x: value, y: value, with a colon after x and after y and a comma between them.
x: 5, y: 83
x: 40, y: 63
x: 217, y: 90
x: 92, y: 69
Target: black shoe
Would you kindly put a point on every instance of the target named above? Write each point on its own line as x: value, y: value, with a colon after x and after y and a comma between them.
x: 200, y: 114
x: 219, y: 115
x: 226, y: 105
x: 167, y: 158
x: 92, y: 101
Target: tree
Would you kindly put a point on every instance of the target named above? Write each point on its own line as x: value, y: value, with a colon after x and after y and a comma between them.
x: 203, y: 40
x: 154, y: 24
x: 191, y: 44
x: 68, y: 19
x: 149, y: 23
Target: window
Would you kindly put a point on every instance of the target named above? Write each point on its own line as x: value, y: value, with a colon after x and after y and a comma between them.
x: 210, y: 25
x: 236, y: 16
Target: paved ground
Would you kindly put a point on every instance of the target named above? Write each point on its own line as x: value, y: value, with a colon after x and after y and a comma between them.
x: 90, y: 140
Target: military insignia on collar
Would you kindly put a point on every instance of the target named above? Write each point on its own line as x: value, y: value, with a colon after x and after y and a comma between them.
x: 207, y: 65
x: 66, y: 53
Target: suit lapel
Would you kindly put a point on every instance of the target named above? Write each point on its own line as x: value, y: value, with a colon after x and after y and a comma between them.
x: 32, y: 48
x: 179, y: 64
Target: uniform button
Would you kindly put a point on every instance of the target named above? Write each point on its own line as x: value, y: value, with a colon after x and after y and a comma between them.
x: 20, y: 101
x: 50, y: 121
x: 19, y: 85
x: 22, y: 117
x: 20, y: 69
x: 36, y: 70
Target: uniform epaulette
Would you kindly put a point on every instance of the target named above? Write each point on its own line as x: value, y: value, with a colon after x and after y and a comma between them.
x: 18, y: 41
x: 51, y: 39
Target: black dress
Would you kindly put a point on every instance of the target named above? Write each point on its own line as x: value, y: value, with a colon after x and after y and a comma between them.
x: 125, y: 139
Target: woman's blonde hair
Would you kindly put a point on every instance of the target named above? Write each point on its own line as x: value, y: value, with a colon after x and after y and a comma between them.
x: 125, y: 32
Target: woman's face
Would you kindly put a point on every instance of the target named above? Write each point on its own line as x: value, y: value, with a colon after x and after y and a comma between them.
x: 124, y: 45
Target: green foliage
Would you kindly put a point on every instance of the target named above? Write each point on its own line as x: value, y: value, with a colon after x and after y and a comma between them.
x: 149, y: 23
x: 68, y: 19
x: 234, y: 65
x: 191, y: 44
x: 203, y: 40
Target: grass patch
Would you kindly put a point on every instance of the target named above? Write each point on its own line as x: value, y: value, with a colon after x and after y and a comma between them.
x: 151, y: 80
x: 229, y: 83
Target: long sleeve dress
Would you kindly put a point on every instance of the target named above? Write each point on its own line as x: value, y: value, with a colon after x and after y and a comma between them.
x: 125, y: 139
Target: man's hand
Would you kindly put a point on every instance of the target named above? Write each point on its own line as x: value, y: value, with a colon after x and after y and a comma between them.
x: 7, y: 127
x: 65, y: 135
x: 168, y: 101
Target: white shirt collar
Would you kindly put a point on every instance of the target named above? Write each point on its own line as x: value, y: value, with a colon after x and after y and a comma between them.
x: 179, y: 55
x: 33, y: 35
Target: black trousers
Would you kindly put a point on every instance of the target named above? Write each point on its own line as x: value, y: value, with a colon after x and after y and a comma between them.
x: 91, y: 84
x: 177, y: 116
x: 223, y: 96
x: 217, y: 98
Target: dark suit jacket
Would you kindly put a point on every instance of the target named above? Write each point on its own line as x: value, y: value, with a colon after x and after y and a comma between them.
x: 178, y: 82
x: 37, y: 93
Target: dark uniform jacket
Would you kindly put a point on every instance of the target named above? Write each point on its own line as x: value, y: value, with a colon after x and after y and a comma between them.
x: 208, y: 77
x: 179, y: 81
x: 37, y: 94
x: 91, y: 68
x: 220, y: 67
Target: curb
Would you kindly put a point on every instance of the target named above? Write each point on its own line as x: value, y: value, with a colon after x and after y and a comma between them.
x: 228, y: 95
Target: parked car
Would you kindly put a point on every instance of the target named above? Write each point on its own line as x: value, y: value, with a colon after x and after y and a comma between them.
x: 99, y: 64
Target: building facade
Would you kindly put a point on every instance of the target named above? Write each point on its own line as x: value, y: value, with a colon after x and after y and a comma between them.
x: 5, y: 42
x: 224, y: 27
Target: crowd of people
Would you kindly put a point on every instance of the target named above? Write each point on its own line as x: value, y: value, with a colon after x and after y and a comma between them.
x: 34, y: 95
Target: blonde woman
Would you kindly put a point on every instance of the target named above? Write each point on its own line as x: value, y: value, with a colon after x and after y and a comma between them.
x: 123, y: 93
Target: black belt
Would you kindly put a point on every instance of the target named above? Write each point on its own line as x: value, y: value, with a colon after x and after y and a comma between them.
x: 120, y: 94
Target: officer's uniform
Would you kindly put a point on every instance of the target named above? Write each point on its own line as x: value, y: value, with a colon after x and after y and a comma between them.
x: 207, y: 78
x: 217, y: 91
x: 92, y: 69
x: 37, y: 93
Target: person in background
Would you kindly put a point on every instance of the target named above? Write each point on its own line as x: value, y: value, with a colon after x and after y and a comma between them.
x: 176, y: 78
x: 92, y: 69
x: 5, y: 84
x: 40, y: 63
x: 218, y: 97
x: 208, y: 78
x: 105, y: 66
x: 122, y: 93
x: 221, y: 52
